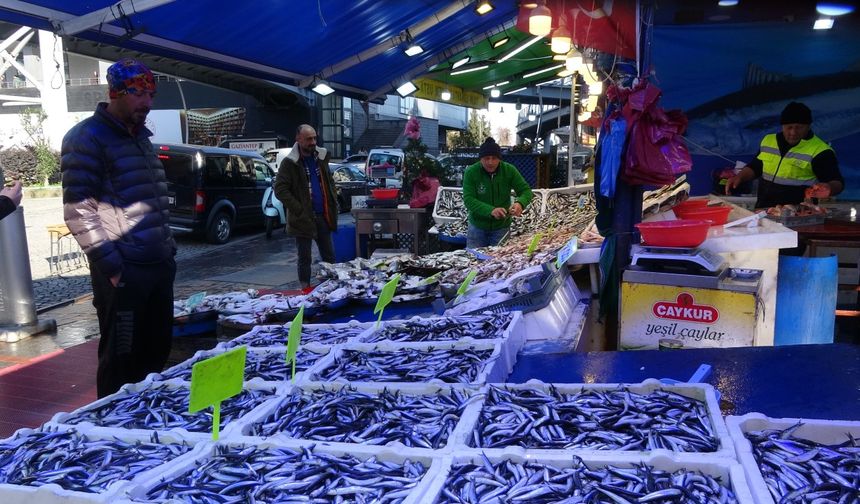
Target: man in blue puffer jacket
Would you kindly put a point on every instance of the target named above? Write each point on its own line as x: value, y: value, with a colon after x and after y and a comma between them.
x: 115, y: 204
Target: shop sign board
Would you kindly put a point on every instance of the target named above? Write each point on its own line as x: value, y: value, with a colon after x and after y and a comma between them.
x: 432, y: 90
x: 668, y: 316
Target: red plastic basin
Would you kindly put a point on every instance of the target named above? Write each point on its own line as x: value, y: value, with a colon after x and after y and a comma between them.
x: 675, y: 233
x: 691, y: 203
x: 384, y: 193
x: 717, y: 214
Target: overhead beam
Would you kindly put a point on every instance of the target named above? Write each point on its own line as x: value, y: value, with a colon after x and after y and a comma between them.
x: 105, y: 15
x: 20, y: 32
x: 413, y: 31
x: 16, y: 51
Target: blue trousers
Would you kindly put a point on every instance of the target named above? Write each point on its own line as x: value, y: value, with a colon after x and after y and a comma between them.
x: 478, y: 237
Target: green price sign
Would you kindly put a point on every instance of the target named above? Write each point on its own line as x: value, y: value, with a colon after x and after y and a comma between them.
x: 214, y: 380
x: 567, y: 251
x: 195, y: 300
x: 465, y: 285
x: 431, y: 279
x: 294, y: 339
x: 533, y: 245
x: 385, y: 296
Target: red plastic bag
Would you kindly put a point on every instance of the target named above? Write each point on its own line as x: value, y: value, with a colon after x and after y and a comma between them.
x: 424, y: 190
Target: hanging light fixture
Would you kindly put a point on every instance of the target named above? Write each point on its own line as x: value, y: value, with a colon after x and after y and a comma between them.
x: 573, y: 61
x: 595, y: 88
x: 560, y: 42
x: 406, y: 89
x: 460, y: 62
x: 540, y: 20
x: 446, y: 94
x: 414, y: 50
x: 495, y: 92
x: 502, y: 41
x: 322, y: 88
x: 519, y: 105
x: 483, y: 7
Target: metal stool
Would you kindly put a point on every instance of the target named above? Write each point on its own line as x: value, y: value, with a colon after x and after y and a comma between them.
x: 63, y: 244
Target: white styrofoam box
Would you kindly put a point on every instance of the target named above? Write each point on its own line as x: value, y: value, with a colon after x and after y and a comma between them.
x: 549, y: 322
x: 700, y: 391
x: 578, y: 189
x: 406, y: 389
x: 253, y: 338
x: 442, y: 219
x: 63, y: 419
x: 433, y: 464
x: 52, y: 492
x: 253, y: 353
x: 827, y: 432
x: 495, y: 368
x: 505, y: 335
x: 729, y: 471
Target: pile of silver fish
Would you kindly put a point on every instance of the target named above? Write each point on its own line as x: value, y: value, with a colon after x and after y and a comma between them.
x: 76, y: 462
x: 348, y: 416
x: 530, y: 219
x: 363, y: 285
x: 534, y: 482
x: 442, y: 261
x: 592, y: 419
x: 450, y: 204
x: 505, y: 262
x: 408, y: 365
x: 246, y: 475
x: 798, y: 470
x: 162, y: 406
x: 227, y: 302
x: 444, y: 328
x: 268, y: 366
x: 459, y: 229
x: 277, y: 335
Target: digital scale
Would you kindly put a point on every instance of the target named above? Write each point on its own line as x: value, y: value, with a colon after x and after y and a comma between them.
x: 692, y: 267
x: 676, y: 257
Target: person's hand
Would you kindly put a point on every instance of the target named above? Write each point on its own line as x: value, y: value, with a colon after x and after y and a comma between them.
x: 499, y: 213
x: 114, y: 280
x: 818, y: 190
x: 13, y: 192
x: 516, y: 209
x: 731, y: 183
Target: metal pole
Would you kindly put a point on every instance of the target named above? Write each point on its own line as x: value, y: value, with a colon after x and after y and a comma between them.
x: 576, y: 176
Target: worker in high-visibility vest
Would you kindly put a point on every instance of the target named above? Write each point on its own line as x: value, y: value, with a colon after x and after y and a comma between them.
x: 792, y: 165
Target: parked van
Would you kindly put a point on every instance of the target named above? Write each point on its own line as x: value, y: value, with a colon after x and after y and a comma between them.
x: 385, y: 164
x: 213, y: 190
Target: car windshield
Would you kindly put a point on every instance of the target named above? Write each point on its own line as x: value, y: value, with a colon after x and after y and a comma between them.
x: 348, y: 173
x: 381, y: 159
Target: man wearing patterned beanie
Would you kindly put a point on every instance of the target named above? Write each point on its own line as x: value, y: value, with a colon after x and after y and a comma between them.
x: 115, y: 204
x: 793, y: 164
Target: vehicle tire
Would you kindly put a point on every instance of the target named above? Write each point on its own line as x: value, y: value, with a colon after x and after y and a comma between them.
x: 220, y: 229
x: 270, y: 226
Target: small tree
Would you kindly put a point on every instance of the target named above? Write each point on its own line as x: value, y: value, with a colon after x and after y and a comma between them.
x: 417, y: 162
x: 477, y: 130
x: 32, y: 121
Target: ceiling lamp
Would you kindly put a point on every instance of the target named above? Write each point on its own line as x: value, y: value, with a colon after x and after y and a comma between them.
x: 560, y: 42
x: 519, y: 48
x: 322, y: 88
x: 823, y: 24
x: 516, y: 91
x: 834, y: 8
x: 595, y: 89
x: 502, y: 41
x: 470, y: 69
x: 446, y: 94
x: 406, y: 89
x: 414, y: 50
x: 529, y: 5
x: 483, y: 7
x: 495, y: 93
x: 727, y: 3
x: 540, y: 20
x: 498, y: 84
x: 542, y: 70
x: 573, y: 61
x: 461, y: 62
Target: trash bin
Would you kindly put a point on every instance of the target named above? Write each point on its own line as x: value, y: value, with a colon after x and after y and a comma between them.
x: 17, y: 308
x: 806, y: 300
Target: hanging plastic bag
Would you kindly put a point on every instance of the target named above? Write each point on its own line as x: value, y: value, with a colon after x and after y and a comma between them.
x: 424, y: 190
x: 611, y: 148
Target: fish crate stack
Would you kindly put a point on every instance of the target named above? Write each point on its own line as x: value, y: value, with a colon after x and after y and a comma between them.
x: 797, y: 459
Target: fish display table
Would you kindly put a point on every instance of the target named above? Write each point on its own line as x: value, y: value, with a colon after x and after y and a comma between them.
x: 813, y: 381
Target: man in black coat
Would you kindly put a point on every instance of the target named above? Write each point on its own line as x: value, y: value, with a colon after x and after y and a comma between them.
x: 115, y: 204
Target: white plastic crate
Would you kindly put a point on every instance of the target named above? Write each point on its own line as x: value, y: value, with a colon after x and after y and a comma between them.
x: 432, y: 464
x: 54, y: 493
x: 442, y: 218
x: 729, y: 471
x: 244, y: 433
x: 820, y: 431
x: 253, y: 337
x: 699, y: 391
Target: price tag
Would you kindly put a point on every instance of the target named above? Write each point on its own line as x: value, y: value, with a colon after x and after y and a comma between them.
x: 533, y: 245
x: 465, y: 285
x: 214, y: 380
x: 385, y: 296
x: 567, y: 251
x: 431, y: 279
x: 293, y: 340
x: 194, y: 300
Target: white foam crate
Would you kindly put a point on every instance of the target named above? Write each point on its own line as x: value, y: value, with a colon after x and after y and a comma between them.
x: 252, y: 353
x: 727, y: 470
x: 62, y: 419
x: 442, y: 219
x: 496, y: 368
x: 700, y: 391
x: 512, y: 332
x: 54, y: 493
x: 407, y: 389
x: 433, y: 464
x: 820, y: 431
x: 251, y: 336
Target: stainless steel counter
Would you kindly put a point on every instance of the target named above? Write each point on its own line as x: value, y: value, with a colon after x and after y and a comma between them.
x: 382, y: 221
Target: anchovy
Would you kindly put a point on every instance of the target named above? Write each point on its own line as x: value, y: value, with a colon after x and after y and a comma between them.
x: 408, y: 365
x: 592, y: 419
x: 450, y: 204
x: 265, y: 365
x: 247, y: 475
x: 349, y: 416
x: 78, y: 462
x: 443, y: 328
x: 535, y: 482
x: 799, y: 470
x: 277, y: 335
x: 165, y: 406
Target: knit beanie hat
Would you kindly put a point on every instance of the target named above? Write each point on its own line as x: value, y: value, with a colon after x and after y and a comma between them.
x: 129, y: 76
x: 490, y: 148
x: 796, y: 113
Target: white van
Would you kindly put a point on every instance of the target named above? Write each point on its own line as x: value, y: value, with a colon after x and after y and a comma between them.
x: 385, y: 164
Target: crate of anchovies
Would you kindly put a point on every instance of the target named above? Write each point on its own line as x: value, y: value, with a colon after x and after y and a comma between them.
x: 472, y: 363
x: 163, y: 407
x: 81, y: 465
x: 292, y: 472
x: 798, y: 459
x: 544, y: 418
x: 323, y: 334
x: 599, y: 478
x: 262, y: 364
x: 411, y: 415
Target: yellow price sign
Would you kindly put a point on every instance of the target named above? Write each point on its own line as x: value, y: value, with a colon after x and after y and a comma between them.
x: 217, y: 379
